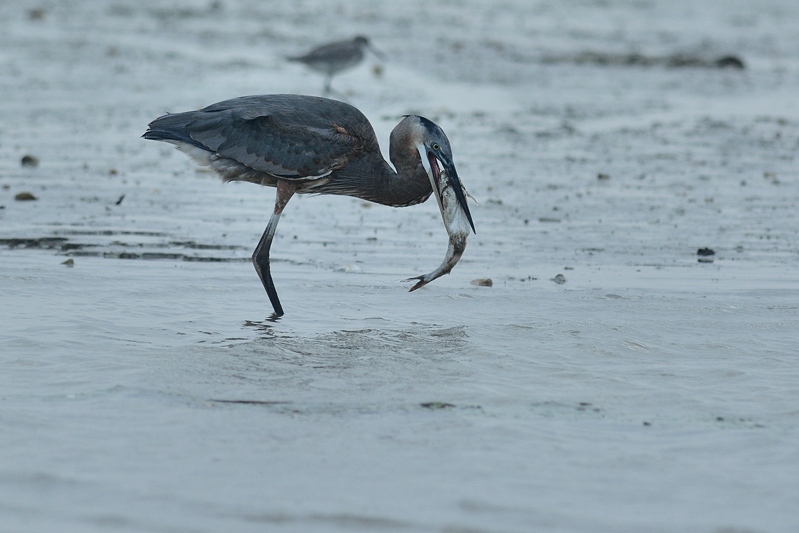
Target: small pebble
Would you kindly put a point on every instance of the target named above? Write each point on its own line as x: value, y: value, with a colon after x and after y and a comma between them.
x: 730, y: 62
x: 483, y: 282
x: 37, y: 13
x: 69, y: 262
x: 24, y: 197
x: 436, y: 405
x: 705, y: 255
x: 29, y: 161
x: 560, y: 279
x: 602, y: 176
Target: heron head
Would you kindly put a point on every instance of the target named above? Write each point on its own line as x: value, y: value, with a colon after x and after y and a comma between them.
x: 436, y: 155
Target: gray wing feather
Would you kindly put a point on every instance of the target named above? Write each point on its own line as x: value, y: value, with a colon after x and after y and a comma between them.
x: 283, y: 135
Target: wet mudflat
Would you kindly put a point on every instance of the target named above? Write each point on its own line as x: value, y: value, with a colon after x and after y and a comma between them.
x: 631, y: 366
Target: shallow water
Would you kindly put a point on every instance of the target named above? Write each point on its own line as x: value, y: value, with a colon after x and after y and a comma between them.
x: 145, y: 389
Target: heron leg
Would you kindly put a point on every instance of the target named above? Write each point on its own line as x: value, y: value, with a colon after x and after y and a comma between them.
x: 328, y: 81
x: 260, y: 257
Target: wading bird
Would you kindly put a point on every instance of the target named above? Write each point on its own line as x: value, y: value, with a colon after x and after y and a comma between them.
x: 307, y: 144
x: 332, y: 58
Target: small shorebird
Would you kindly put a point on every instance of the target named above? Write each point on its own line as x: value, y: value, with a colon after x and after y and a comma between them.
x: 332, y: 58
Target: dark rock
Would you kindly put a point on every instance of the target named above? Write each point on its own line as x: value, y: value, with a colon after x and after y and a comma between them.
x: 730, y: 62
x: 25, y: 197
x: 29, y: 161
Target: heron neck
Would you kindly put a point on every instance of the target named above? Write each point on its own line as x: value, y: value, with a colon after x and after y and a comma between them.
x: 373, y: 179
x: 409, y: 185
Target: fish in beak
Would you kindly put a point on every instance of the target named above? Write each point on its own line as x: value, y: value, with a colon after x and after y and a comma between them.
x: 451, y: 196
x: 444, y: 179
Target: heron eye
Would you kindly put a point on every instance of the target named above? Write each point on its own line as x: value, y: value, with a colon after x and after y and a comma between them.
x: 436, y: 147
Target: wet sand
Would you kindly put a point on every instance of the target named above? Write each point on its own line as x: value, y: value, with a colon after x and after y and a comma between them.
x: 611, y: 378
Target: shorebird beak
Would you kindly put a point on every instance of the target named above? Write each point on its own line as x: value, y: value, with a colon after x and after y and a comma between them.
x: 433, y: 163
x: 378, y: 54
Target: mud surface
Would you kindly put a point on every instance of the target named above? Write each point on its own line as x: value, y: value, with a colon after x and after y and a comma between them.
x: 585, y: 367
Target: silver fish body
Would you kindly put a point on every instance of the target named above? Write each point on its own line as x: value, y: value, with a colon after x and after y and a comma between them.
x: 456, y: 221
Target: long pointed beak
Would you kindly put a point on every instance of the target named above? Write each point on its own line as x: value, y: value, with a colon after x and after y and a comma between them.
x: 454, y: 183
x: 378, y: 54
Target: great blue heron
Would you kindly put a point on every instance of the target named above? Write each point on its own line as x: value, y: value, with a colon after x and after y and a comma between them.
x: 332, y: 58
x: 307, y: 144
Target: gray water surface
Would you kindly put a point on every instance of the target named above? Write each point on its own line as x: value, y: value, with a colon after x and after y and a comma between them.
x: 145, y: 389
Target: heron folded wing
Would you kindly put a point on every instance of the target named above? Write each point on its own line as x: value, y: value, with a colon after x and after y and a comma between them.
x: 271, y: 144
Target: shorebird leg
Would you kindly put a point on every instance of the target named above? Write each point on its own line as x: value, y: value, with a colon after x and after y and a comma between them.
x: 260, y: 257
x: 328, y: 81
